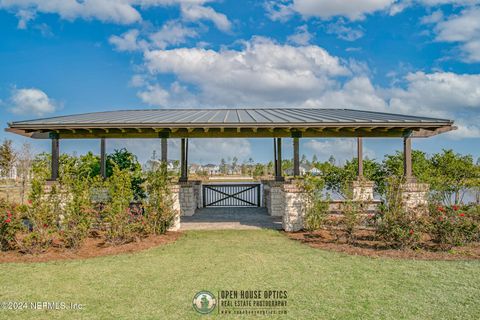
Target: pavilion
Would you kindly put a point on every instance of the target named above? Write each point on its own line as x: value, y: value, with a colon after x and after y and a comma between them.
x: 276, y: 123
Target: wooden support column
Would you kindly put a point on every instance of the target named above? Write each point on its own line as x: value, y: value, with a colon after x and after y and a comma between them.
x: 183, y: 161
x: 407, y: 159
x: 164, y: 145
x: 275, y: 163
x: 279, y: 176
x: 103, y: 159
x: 296, y: 157
x: 360, y: 157
x: 55, y: 157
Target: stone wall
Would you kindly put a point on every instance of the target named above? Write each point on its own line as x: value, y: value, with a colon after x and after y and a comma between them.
x: 175, y: 189
x: 415, y: 197
x: 273, y: 197
x: 294, y: 207
x: 362, y: 190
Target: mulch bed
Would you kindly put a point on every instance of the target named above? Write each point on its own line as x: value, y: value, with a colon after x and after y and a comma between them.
x: 366, y: 245
x: 92, y: 247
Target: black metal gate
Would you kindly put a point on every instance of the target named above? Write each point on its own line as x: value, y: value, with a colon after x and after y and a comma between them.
x: 231, y: 195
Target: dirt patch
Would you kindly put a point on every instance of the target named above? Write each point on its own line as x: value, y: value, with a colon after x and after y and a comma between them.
x: 92, y: 247
x: 366, y: 245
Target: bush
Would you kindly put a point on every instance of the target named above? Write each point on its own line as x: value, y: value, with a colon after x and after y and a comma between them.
x: 78, y: 212
x: 159, y: 204
x: 122, y: 223
x: 317, y: 205
x: 455, y: 225
x: 395, y: 225
x: 9, y: 225
x: 41, y: 214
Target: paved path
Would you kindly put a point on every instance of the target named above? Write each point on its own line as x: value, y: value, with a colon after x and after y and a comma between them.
x: 230, y: 218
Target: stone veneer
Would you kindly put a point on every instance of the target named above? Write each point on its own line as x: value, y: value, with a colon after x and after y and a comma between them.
x: 415, y: 197
x: 287, y: 200
x: 362, y: 190
x: 294, y: 206
x: 185, y: 200
x: 273, y: 197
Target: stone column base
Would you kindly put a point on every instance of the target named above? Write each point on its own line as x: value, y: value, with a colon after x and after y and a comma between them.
x: 187, y: 199
x: 294, y: 208
x: 273, y: 197
x: 175, y: 189
x: 415, y: 197
x: 362, y: 190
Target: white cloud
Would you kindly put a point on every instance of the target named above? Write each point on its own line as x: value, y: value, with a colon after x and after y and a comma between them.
x: 155, y: 95
x: 262, y: 72
x: 357, y: 93
x: 24, y: 16
x: 354, y: 10
x: 31, y: 101
x: 301, y: 36
x: 127, y: 41
x: 171, y: 33
x: 463, y: 29
x: 341, y: 149
x: 114, y: 11
x: 196, y: 12
x: 121, y: 12
x: 344, y: 32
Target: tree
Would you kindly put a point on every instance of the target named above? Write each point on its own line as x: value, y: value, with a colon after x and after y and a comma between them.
x: 314, y: 160
x: 223, y: 166
x: 24, y: 161
x: 125, y: 160
x: 452, y: 175
x: 7, y: 157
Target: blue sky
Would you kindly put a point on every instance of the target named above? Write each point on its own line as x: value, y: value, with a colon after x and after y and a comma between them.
x: 418, y: 57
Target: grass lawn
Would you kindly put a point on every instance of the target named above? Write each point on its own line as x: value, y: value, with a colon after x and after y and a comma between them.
x: 160, y: 283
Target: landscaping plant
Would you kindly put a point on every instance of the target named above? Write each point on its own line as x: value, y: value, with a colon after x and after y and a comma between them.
x: 159, y: 211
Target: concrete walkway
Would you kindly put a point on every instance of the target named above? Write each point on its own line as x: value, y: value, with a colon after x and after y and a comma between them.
x: 230, y: 218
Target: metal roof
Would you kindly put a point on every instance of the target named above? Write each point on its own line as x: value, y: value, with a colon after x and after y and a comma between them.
x: 229, y: 117
x: 176, y: 120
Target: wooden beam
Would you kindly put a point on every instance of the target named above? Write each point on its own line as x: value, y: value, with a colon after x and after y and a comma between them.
x: 407, y: 159
x: 103, y: 159
x: 279, y: 176
x: 360, y: 157
x: 183, y: 160
x: 296, y: 157
x: 55, y: 158
x: 164, y: 145
x: 425, y: 133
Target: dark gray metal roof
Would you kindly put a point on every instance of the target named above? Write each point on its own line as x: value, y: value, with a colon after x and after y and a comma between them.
x: 173, y: 120
x: 227, y: 117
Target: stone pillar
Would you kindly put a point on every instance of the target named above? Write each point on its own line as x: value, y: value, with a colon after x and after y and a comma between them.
x: 273, y: 197
x: 415, y: 197
x: 197, y: 191
x: 362, y: 190
x: 188, y: 201
x: 294, y: 207
x: 175, y: 189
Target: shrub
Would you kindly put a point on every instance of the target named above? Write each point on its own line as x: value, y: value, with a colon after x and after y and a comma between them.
x: 159, y: 204
x: 395, y: 225
x: 78, y: 212
x: 118, y: 215
x: 455, y: 225
x: 9, y: 225
x: 317, y: 205
x: 41, y: 215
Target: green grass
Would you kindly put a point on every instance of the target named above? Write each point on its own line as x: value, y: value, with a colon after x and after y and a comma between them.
x: 160, y: 283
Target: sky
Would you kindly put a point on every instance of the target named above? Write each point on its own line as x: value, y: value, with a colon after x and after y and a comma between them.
x: 415, y: 57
